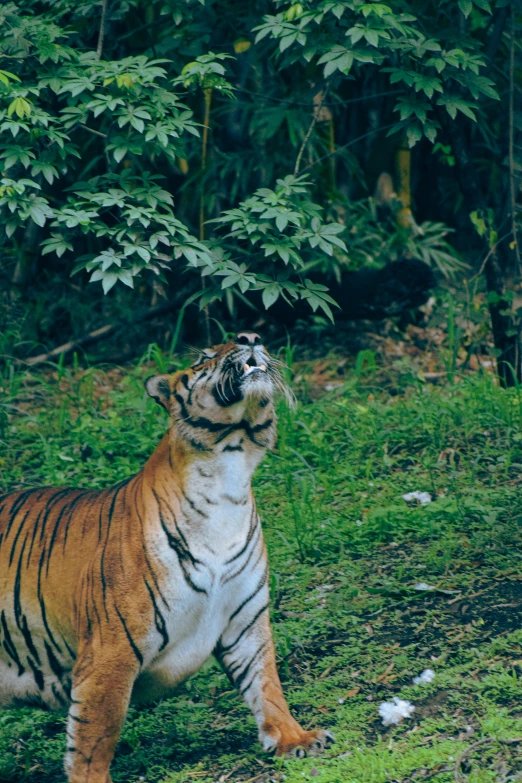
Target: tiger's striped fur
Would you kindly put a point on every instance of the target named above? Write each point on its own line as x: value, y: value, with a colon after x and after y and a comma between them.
x: 108, y: 596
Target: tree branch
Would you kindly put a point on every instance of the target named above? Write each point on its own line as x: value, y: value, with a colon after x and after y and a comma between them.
x: 98, y: 334
x: 317, y: 112
x: 101, y: 34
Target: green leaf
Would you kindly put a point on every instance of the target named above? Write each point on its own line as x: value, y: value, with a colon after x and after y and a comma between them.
x: 108, y: 282
x: 119, y: 153
x: 5, y: 76
x: 414, y: 134
x: 466, y: 6
x: 38, y: 215
x: 281, y: 222
x: 270, y: 294
x: 483, y: 5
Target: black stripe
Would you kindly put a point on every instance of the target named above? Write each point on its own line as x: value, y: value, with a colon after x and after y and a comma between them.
x: 70, y: 508
x: 251, y: 531
x: 223, y: 649
x: 208, y: 500
x: 241, y: 502
x: 67, y: 689
x: 261, y: 584
x: 21, y: 620
x: 251, y: 431
x: 46, y: 510
x: 69, y: 649
x: 243, y: 674
x: 102, y: 559
x: 183, y: 552
x: 20, y: 528
x: 233, y: 448
x: 134, y: 648
x: 158, y: 618
x: 226, y: 393
x: 229, y: 577
x: 38, y: 676
x: 194, y: 561
x: 9, y: 646
x: 145, y: 553
x: 197, y: 445
x: 42, y: 602
x: 58, y: 696
x: 193, y: 506
x: 78, y: 720
x: 200, y: 422
x: 16, y: 507
x: 33, y: 538
x: 56, y: 667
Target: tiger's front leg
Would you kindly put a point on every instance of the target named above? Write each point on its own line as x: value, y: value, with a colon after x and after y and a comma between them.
x: 102, y: 684
x: 246, y: 652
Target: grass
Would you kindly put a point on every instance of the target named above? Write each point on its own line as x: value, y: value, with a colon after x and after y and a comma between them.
x: 346, y: 554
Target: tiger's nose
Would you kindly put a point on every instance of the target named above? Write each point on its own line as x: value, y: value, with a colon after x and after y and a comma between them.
x: 248, y: 338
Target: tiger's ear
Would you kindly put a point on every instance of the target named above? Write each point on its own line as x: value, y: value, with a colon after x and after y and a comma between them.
x: 158, y: 387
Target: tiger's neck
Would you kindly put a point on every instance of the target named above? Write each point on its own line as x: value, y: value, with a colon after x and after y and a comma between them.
x: 210, y: 487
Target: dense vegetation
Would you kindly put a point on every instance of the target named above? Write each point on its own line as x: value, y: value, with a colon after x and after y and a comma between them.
x: 230, y: 151
x: 188, y: 164
x: 348, y: 556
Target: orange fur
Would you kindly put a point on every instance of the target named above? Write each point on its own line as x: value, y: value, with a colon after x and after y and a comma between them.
x: 122, y: 593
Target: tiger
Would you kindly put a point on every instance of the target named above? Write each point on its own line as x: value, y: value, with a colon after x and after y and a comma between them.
x: 118, y: 595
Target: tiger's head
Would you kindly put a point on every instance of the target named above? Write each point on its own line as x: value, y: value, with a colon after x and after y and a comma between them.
x: 229, y: 386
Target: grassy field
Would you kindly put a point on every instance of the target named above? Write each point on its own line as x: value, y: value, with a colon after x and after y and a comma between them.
x: 347, y: 555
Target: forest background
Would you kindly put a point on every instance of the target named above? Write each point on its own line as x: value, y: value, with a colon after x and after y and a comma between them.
x: 230, y: 156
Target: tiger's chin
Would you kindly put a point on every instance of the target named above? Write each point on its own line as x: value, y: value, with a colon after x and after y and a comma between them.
x: 256, y: 383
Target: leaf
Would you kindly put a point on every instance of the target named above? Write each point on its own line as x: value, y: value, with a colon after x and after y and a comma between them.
x: 414, y: 134
x: 281, y: 222
x: 119, y: 153
x: 270, y: 295
x: 6, y: 75
x: 20, y: 107
x: 108, y: 282
x: 372, y: 36
x: 38, y: 215
x: 466, y: 6
x: 126, y: 278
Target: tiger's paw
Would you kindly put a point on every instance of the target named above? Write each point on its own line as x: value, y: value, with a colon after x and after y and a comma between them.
x: 306, y: 743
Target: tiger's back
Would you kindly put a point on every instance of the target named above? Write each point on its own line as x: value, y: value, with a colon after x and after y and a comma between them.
x: 41, y: 530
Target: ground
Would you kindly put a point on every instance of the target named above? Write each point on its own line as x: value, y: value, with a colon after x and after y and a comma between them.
x: 368, y: 590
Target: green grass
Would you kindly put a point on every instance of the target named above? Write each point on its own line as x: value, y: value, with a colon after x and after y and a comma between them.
x: 346, y: 553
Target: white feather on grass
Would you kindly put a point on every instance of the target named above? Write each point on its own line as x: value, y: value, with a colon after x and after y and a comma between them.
x: 422, y: 497
x: 392, y: 712
x: 428, y: 675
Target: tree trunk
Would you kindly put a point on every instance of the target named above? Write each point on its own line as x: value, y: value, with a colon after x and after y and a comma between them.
x: 506, y: 332
x: 28, y: 255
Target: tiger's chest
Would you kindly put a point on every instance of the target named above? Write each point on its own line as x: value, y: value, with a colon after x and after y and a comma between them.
x: 212, y: 553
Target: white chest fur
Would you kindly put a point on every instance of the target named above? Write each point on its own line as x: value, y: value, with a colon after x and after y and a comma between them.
x: 219, y: 524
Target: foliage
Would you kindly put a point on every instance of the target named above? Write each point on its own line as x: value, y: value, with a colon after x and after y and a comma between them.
x: 352, y: 35
x: 139, y: 123
x: 102, y: 151
x: 346, y: 553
